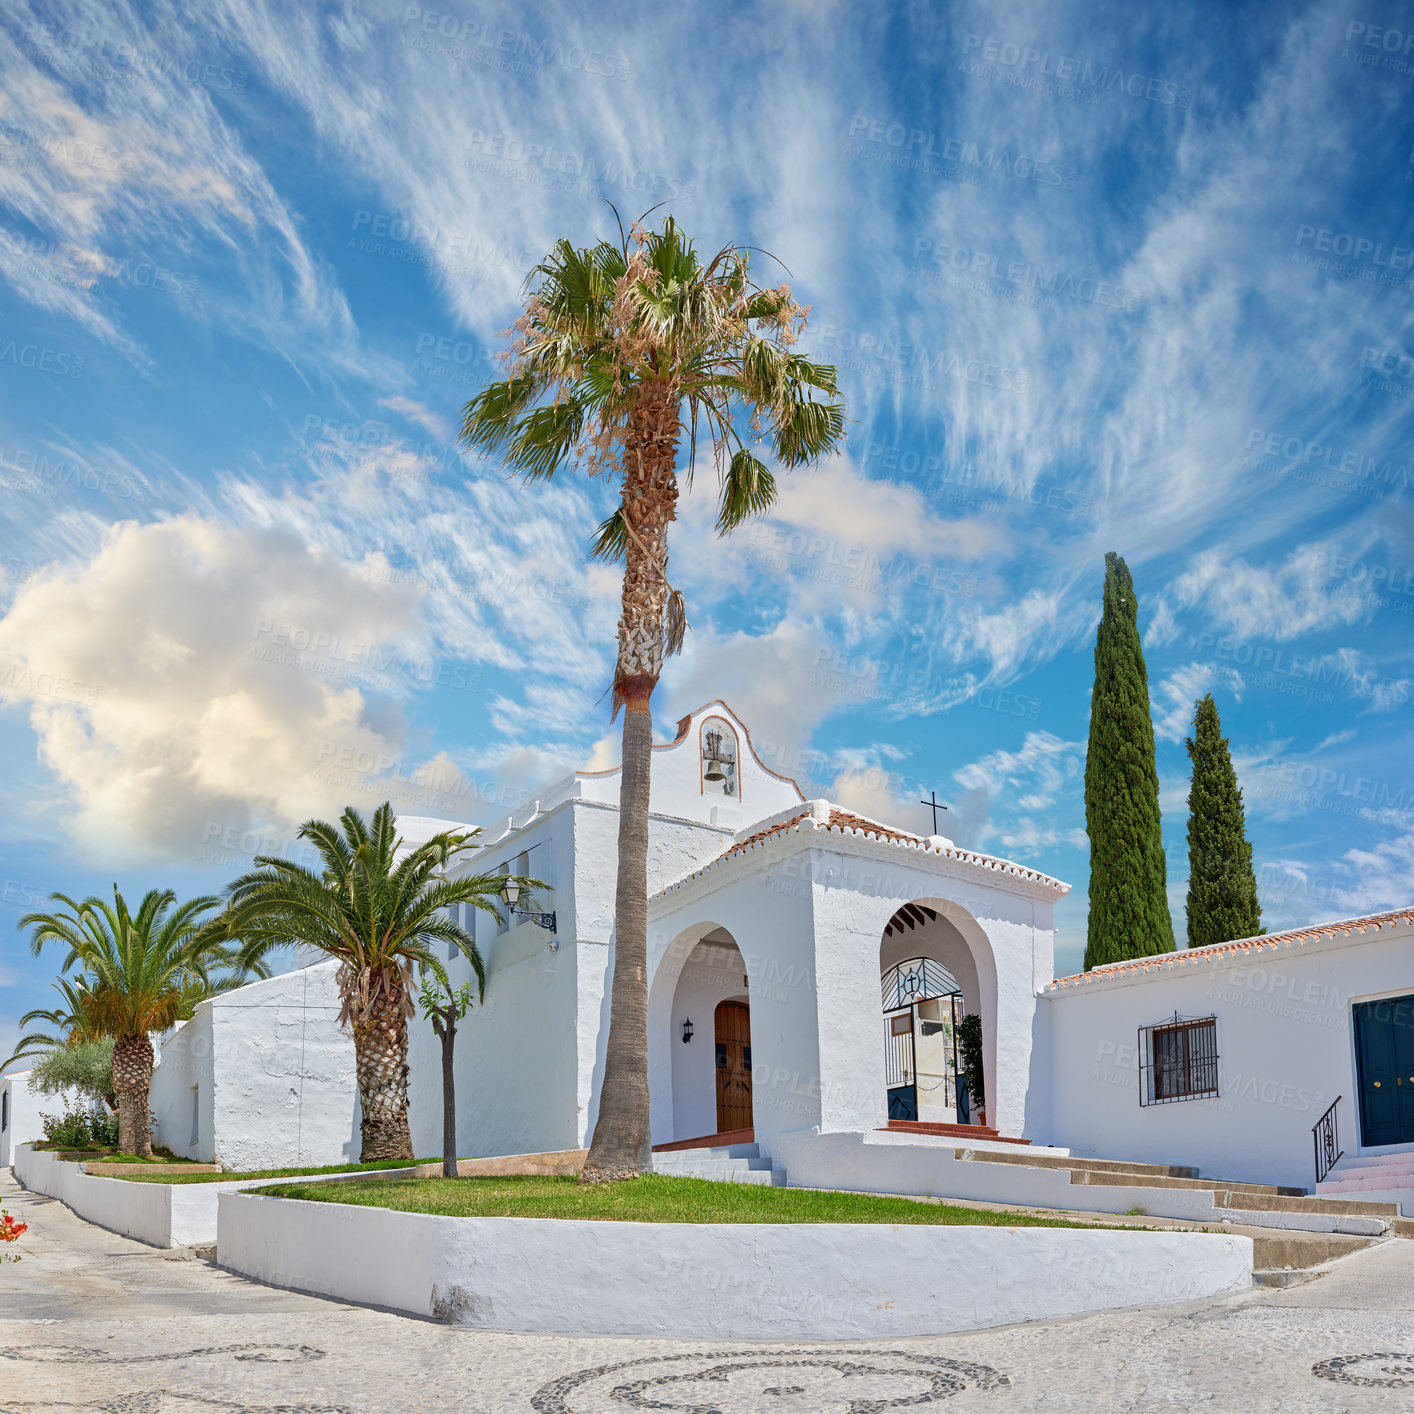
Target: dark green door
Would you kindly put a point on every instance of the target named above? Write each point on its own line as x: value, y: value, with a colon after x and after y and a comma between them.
x: 1384, y: 1050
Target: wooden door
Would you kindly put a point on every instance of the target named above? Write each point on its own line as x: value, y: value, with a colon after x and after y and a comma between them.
x: 1384, y: 1047
x: 732, y: 1022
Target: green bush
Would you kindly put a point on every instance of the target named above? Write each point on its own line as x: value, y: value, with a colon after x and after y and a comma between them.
x: 79, y: 1129
x: 70, y: 1130
x: 104, y: 1129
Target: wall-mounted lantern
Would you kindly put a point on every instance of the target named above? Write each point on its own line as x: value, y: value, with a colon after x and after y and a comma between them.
x: 510, y: 894
x: 687, y: 1031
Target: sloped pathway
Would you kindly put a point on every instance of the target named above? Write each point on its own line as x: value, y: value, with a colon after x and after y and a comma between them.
x: 92, y: 1321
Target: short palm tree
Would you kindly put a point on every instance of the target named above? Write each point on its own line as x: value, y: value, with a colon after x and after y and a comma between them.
x: 377, y: 914
x: 69, y: 1025
x: 621, y: 350
x: 144, y: 971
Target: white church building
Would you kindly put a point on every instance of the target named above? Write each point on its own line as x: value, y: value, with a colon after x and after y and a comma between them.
x: 809, y: 971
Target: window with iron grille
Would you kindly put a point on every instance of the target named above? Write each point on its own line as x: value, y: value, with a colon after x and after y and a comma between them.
x: 1178, y: 1060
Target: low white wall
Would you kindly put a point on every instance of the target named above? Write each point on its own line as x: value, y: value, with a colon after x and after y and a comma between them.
x: 140, y: 1210
x: 815, y: 1281
x: 917, y: 1167
x: 163, y: 1214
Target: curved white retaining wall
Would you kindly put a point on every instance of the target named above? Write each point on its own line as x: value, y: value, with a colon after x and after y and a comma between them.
x: 817, y: 1281
x: 164, y: 1214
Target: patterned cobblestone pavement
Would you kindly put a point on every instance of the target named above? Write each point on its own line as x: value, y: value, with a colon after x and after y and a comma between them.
x: 91, y: 1321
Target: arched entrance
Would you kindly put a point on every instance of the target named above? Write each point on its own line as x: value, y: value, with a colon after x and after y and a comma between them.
x: 708, y: 1041
x: 932, y: 976
x: 922, y: 1011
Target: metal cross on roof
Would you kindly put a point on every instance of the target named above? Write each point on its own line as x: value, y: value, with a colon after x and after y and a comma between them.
x: 934, y: 806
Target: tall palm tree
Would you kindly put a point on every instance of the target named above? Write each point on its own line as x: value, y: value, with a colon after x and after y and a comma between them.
x: 622, y: 349
x: 144, y: 971
x: 377, y: 914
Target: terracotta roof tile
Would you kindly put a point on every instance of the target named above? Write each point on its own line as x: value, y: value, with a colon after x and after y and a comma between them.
x: 1216, y: 952
x: 846, y: 822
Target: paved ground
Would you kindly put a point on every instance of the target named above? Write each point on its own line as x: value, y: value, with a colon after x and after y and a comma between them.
x: 92, y: 1321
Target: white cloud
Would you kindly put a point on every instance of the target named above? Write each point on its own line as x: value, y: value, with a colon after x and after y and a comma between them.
x: 1004, y: 792
x: 191, y: 679
x: 1281, y: 602
x: 1175, y: 696
x: 125, y: 167
x: 776, y: 681
x: 433, y: 423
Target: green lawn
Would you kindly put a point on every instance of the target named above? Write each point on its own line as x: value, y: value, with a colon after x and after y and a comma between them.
x: 271, y: 1173
x: 113, y: 1156
x: 654, y: 1198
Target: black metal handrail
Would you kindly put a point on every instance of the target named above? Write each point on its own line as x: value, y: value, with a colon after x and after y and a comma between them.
x: 1326, y: 1137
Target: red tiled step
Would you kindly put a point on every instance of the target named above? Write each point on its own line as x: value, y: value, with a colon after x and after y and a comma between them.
x: 951, y: 1131
x: 709, y: 1141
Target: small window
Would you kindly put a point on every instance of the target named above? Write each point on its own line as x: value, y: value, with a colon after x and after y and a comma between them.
x: 195, y: 1116
x: 1178, y: 1060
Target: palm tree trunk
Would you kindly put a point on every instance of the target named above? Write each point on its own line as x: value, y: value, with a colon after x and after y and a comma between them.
x: 446, y: 1028
x: 132, y: 1078
x: 380, y: 1037
x: 622, y: 1142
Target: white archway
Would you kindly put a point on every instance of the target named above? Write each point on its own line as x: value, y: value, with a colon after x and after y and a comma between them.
x: 943, y: 932
x: 701, y: 969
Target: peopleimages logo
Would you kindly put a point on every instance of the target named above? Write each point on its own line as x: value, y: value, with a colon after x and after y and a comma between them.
x: 458, y: 38
x: 41, y: 359
x: 1025, y: 276
x: 548, y: 164
x: 1362, y: 249
x: 1066, y: 69
x: 921, y: 147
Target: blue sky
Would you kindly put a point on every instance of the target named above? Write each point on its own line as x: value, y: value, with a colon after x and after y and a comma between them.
x: 1096, y: 277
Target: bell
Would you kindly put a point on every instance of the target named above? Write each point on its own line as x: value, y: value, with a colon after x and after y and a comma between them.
x: 714, y: 770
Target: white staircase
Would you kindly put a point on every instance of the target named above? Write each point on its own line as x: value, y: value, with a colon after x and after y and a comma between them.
x: 1387, y: 1178
x: 727, y: 1163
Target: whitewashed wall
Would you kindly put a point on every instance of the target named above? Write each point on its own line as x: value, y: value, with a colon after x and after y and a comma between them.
x: 808, y: 912
x: 184, y: 1078
x: 25, y: 1107
x: 274, y: 1076
x: 1285, y: 1046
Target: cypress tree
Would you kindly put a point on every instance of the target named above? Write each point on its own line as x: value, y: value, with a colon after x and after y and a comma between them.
x: 1129, y: 910
x: 1222, y: 889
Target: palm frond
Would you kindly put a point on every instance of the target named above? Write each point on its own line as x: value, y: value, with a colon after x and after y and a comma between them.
x: 748, y: 489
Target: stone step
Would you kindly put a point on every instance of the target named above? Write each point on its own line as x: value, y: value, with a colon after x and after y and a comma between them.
x: 1379, y: 1184
x: 1330, y: 1207
x: 1373, y: 1175
x: 1033, y: 1159
x: 665, y: 1163
x: 1356, y: 1161
x: 1294, y: 1251
x: 1125, y: 1180
x: 775, y: 1178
